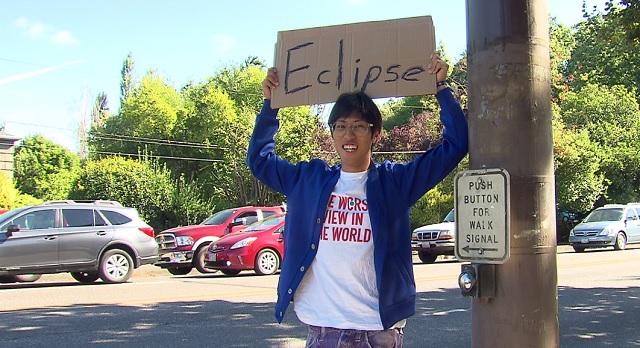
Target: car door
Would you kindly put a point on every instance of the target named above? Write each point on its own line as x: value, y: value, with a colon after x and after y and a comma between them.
x: 633, y: 226
x: 83, y: 235
x: 35, y: 245
x: 242, y: 220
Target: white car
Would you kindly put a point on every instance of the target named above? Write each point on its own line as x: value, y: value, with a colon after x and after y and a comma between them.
x: 430, y: 241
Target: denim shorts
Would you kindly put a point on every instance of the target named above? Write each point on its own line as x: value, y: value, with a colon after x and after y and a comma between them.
x: 327, y: 337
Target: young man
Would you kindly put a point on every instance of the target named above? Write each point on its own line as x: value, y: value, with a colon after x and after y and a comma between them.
x: 348, y: 267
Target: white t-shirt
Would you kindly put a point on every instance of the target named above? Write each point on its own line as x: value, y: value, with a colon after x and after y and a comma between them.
x: 339, y: 290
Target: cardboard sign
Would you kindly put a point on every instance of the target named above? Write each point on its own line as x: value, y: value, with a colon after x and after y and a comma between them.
x: 383, y: 59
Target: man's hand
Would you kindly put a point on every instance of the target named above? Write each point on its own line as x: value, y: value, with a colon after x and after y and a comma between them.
x: 440, y: 68
x: 270, y: 82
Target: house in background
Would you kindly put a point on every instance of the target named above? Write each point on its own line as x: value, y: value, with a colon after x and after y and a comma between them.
x: 7, y: 142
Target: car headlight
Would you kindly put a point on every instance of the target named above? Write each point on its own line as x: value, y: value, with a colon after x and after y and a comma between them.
x: 446, y: 234
x: 243, y: 243
x: 606, y: 231
x: 184, y: 240
x: 571, y: 233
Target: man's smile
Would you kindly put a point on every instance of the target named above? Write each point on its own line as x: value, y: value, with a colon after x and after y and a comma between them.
x: 349, y: 147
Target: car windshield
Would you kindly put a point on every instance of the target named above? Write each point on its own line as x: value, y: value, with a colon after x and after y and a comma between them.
x: 614, y: 214
x: 265, y: 224
x: 218, y: 218
x: 450, y: 217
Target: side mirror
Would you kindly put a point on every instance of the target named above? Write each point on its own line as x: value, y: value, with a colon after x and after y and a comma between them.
x: 237, y: 221
x: 11, y: 229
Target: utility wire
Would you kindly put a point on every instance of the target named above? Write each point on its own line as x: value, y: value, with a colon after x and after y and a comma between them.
x: 156, y: 156
x: 139, y: 155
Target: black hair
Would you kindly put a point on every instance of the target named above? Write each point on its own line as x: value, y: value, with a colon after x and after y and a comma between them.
x: 358, y: 102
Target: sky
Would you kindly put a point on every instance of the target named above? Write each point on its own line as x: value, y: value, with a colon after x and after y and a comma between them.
x: 57, y: 56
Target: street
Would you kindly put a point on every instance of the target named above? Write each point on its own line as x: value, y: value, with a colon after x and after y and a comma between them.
x: 599, y: 305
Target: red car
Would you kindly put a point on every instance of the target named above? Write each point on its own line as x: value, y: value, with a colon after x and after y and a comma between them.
x: 259, y: 247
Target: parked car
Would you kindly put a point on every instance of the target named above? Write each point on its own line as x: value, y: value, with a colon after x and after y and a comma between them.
x: 569, y: 216
x: 433, y: 240
x: 613, y: 225
x: 91, y: 240
x: 259, y: 247
x: 183, y: 248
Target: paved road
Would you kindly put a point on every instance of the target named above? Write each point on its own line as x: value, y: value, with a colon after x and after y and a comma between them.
x: 599, y: 306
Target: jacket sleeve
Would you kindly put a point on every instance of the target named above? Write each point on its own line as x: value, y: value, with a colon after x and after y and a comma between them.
x: 419, y: 176
x: 264, y: 164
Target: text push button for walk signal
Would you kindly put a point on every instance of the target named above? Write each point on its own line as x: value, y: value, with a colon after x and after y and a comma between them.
x: 482, y: 216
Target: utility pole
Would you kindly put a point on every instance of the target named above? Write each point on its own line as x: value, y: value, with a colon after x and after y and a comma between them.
x: 510, y: 128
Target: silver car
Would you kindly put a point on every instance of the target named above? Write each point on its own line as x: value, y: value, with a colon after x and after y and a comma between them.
x: 90, y: 240
x: 613, y: 225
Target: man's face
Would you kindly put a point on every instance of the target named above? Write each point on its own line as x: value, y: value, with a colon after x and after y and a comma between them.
x: 353, y: 138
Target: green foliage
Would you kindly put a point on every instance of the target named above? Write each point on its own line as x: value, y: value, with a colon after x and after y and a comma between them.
x: 611, y: 117
x: 138, y: 184
x: 24, y: 199
x: 211, y: 120
x: 145, y: 122
x: 626, y: 13
x: 561, y: 44
x: 8, y: 192
x: 397, y: 113
x: 579, y: 182
x: 603, y: 55
x: 610, y: 114
x: 127, y: 81
x: 431, y: 208
x: 152, y: 108
x: 10, y: 197
x: 44, y: 169
x: 243, y: 84
x: 190, y: 207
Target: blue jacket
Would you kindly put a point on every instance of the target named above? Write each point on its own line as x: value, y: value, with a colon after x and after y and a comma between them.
x: 392, y: 188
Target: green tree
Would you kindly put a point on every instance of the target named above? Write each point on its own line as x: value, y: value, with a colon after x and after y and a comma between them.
x: 190, y: 204
x: 10, y: 197
x: 143, y: 185
x: 627, y: 14
x: 8, y: 192
x: 579, y: 181
x: 211, y: 119
x: 145, y: 123
x: 603, y: 55
x: 44, y: 169
x: 243, y: 84
x: 561, y: 44
x: 431, y: 208
x: 127, y: 81
x: 100, y: 111
x: 611, y: 117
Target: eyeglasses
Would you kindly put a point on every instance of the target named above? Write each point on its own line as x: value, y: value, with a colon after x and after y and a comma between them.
x: 359, y: 129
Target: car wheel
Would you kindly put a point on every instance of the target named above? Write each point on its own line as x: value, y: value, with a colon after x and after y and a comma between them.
x: 85, y: 277
x: 116, y: 266
x: 427, y: 257
x: 578, y: 249
x: 621, y: 242
x: 179, y: 270
x: 230, y: 272
x: 198, y: 261
x: 27, y: 278
x: 267, y: 262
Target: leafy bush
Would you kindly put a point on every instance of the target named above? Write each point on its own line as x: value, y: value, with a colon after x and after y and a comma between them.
x: 431, y: 208
x: 138, y: 184
x: 10, y: 197
x: 44, y: 169
x: 189, y: 205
